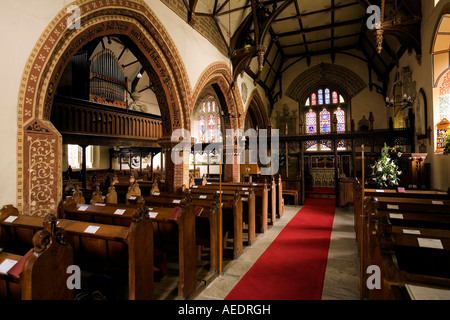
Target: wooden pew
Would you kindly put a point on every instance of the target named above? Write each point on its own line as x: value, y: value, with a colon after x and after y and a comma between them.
x: 261, y: 201
x: 182, y: 220
x: 234, y: 215
x: 395, y: 247
x: 410, y: 255
x: 420, y: 194
x: 232, y: 212
x: 97, y: 246
x: 280, y: 200
x: 41, y: 273
x: 272, y: 197
x: 248, y: 197
x: 206, y: 220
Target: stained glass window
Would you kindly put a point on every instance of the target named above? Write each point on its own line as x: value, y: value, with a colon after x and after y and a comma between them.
x: 340, y: 115
x: 327, y: 96
x: 335, y: 97
x: 320, y: 96
x: 311, y: 145
x: 341, y: 99
x: 341, y: 145
x: 313, y: 99
x: 325, y: 121
x: 311, y: 122
x: 211, y: 128
x: 207, y: 123
x: 201, y: 128
x: 307, y: 103
x: 219, y: 130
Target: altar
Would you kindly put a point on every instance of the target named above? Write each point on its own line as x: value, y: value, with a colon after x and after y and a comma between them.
x: 322, y: 170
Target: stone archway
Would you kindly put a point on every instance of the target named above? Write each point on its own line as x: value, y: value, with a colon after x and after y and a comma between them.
x: 39, y: 144
x: 217, y: 77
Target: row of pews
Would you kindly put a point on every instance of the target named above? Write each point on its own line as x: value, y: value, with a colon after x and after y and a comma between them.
x: 129, y: 242
x: 403, y: 243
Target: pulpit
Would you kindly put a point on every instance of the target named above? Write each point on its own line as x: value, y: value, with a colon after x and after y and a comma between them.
x: 413, y: 174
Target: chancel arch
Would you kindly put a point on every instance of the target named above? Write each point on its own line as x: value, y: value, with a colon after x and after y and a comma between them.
x: 39, y: 144
x: 324, y: 95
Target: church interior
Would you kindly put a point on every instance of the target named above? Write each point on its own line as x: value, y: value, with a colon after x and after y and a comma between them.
x: 151, y: 146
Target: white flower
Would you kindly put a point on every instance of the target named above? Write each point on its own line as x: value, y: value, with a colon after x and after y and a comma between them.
x: 384, y: 177
x: 380, y: 169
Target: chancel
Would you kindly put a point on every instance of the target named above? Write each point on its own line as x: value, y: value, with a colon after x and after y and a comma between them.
x: 225, y: 150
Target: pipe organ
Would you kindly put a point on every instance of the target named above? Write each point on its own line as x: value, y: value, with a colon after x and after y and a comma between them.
x: 108, y: 84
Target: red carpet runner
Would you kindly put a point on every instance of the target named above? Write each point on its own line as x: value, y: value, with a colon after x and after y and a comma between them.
x: 293, y: 266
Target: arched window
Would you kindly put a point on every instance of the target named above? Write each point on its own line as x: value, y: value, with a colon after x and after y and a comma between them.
x: 211, y: 128
x: 311, y: 122
x: 320, y: 108
x: 327, y: 96
x: 325, y: 122
x: 313, y: 99
x: 202, y: 128
x: 207, y: 121
x: 320, y: 95
x: 335, y: 97
x: 340, y: 116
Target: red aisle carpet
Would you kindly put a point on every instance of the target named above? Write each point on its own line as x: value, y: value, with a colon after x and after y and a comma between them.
x: 293, y: 266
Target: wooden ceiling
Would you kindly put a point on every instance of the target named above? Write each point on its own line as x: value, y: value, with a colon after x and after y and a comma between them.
x: 264, y: 38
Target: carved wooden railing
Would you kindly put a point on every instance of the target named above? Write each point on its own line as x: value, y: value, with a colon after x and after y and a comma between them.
x: 80, y: 117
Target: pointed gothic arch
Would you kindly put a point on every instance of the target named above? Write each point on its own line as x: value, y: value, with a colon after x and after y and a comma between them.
x: 39, y: 144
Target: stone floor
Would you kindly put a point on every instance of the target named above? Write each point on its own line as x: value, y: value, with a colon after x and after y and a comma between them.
x: 342, y: 274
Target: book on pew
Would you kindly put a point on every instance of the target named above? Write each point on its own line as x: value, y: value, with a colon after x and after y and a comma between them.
x: 175, y: 213
x: 6, y: 265
x: 16, y: 270
x: 198, y: 210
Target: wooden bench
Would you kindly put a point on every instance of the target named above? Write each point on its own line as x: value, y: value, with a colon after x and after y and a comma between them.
x: 118, y: 250
x: 248, y: 198
x: 206, y: 219
x: 418, y: 194
x: 261, y: 201
x: 390, y: 229
x: 119, y: 214
x: 40, y: 274
x: 238, y: 207
x: 232, y: 213
x: 410, y: 255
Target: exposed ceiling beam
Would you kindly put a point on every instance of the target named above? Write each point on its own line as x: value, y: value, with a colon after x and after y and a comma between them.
x: 320, y: 28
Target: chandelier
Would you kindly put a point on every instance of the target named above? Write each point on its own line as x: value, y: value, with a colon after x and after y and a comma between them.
x: 399, y: 98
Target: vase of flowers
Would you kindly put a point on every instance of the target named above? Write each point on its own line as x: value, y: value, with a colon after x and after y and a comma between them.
x: 385, y: 171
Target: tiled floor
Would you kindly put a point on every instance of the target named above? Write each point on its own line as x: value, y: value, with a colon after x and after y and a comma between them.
x: 342, y: 274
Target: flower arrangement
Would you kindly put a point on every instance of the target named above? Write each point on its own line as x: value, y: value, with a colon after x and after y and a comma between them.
x: 385, y: 171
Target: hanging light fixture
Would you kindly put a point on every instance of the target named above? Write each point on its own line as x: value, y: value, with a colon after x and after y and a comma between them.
x: 399, y: 97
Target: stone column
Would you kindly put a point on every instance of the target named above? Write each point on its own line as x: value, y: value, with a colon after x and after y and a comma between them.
x: 177, y: 170
x: 231, y: 163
